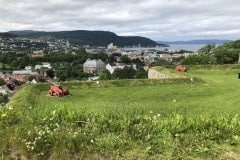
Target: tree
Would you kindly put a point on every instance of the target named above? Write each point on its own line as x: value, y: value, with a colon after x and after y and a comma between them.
x: 141, y: 73
x: 161, y: 62
x: 125, y: 59
x: 2, y: 82
x: 3, y: 98
x: 208, y: 49
x: 105, y: 75
x: 125, y: 73
x: 199, y: 59
x: 228, y: 53
x: 226, y: 56
x: 50, y: 73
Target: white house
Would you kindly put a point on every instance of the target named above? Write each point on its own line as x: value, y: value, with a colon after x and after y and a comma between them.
x: 46, y: 65
x: 113, y: 67
x: 43, y: 65
x: 28, y: 67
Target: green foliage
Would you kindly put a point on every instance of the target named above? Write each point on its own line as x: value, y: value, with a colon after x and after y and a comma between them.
x: 50, y: 73
x: 3, y: 99
x: 125, y: 59
x: 228, y: 53
x: 2, y: 82
x: 125, y: 73
x: 141, y: 73
x: 208, y: 49
x: 198, y: 59
x: 105, y: 75
x: 161, y: 62
x: 226, y: 56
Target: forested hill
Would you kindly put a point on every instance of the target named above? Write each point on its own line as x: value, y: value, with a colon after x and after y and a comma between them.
x: 92, y: 38
x: 7, y: 35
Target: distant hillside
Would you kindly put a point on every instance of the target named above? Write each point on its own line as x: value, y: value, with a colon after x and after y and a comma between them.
x: 92, y: 38
x: 7, y: 35
x: 213, y: 41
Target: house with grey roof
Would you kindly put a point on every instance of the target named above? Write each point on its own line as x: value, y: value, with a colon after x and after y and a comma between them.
x: 93, y: 66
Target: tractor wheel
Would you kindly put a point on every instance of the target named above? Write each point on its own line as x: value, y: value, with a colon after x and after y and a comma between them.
x: 57, y: 94
x: 50, y: 93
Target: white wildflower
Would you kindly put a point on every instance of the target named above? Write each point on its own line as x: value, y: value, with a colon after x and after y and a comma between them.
x: 54, y: 112
x: 10, y: 107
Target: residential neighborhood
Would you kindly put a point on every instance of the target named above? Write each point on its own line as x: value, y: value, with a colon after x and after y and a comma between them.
x: 33, y: 58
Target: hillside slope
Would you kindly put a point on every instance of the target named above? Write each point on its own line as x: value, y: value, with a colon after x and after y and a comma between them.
x: 92, y: 38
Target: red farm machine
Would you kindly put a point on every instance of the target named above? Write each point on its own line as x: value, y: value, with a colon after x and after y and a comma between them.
x: 57, y: 90
x: 181, y: 68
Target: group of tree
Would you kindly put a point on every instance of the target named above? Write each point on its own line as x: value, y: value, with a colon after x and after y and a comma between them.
x: 227, y: 53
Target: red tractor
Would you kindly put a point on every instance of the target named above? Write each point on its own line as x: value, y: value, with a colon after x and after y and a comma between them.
x: 181, y: 68
x: 57, y: 90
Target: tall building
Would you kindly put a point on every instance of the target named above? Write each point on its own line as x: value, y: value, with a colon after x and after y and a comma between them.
x: 67, y: 47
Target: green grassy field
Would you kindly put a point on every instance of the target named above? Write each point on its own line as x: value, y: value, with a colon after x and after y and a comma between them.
x: 128, y: 119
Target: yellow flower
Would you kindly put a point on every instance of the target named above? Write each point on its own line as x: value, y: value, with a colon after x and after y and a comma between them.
x: 3, y: 115
x: 174, y: 100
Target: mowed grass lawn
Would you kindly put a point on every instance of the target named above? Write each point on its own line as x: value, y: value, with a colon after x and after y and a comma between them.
x: 127, y: 119
x: 219, y: 94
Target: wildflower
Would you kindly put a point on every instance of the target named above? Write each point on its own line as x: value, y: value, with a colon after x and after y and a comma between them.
x: 10, y: 107
x: 41, y: 154
x: 151, y: 112
x: 158, y: 115
x: 91, y: 140
x: 54, y: 112
x: 174, y: 100
x: 4, y: 115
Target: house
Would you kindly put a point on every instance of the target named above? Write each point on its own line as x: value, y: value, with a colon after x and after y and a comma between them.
x: 93, y: 66
x: 43, y: 65
x: 113, y: 67
x: 46, y: 65
x: 37, y: 67
x: 22, y: 75
x: 28, y: 68
x: 37, y: 54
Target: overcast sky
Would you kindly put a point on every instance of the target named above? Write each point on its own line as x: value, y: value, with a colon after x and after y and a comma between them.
x: 155, y: 19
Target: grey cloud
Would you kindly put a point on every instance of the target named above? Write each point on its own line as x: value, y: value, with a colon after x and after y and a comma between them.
x: 156, y: 19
